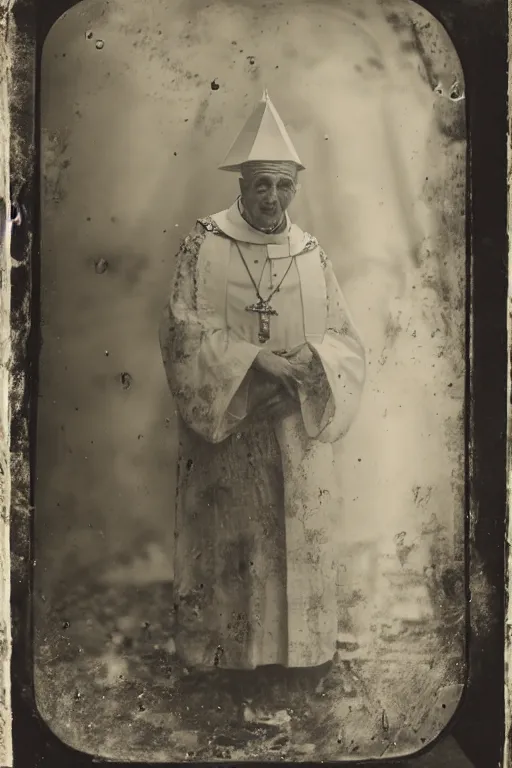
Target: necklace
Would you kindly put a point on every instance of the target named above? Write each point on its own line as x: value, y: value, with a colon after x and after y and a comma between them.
x: 263, y: 306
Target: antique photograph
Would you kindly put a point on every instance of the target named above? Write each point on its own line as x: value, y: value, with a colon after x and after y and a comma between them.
x: 250, y: 507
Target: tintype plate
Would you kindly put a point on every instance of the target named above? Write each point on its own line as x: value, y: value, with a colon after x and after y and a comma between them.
x: 122, y: 113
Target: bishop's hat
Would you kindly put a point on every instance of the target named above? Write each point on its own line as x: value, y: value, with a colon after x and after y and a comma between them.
x: 263, y: 139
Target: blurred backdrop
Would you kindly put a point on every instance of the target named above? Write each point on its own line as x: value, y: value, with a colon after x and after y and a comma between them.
x: 139, y: 105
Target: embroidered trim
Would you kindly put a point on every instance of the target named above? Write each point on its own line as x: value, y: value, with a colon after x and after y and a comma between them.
x: 311, y: 243
x: 189, y: 251
x: 208, y: 223
x: 191, y: 244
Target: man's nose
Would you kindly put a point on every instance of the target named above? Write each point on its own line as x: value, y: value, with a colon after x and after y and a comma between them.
x: 272, y: 195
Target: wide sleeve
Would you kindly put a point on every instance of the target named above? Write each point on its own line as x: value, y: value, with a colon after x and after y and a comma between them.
x: 331, y: 390
x: 208, y: 370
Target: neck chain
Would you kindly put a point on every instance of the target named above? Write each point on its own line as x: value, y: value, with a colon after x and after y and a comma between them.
x: 263, y: 306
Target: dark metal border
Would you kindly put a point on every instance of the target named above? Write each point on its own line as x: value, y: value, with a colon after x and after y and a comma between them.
x: 479, y: 31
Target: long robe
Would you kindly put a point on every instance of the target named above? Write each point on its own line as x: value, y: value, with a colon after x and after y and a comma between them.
x: 258, y: 502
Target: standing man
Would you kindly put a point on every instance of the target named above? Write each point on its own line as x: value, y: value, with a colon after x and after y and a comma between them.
x: 266, y: 370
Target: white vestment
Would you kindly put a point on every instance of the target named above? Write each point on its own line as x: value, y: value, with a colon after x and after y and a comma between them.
x: 257, y: 502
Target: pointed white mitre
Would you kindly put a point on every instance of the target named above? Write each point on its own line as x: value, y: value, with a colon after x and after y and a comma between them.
x: 263, y: 138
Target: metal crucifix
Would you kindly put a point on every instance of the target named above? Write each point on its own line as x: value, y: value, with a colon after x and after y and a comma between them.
x: 265, y: 311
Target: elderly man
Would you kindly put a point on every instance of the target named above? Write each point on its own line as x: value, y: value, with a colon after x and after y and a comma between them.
x: 266, y: 370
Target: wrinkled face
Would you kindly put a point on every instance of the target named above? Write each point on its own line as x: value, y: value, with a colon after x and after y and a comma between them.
x: 266, y: 195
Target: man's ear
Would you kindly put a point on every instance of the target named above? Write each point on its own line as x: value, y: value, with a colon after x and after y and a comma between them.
x: 242, y: 184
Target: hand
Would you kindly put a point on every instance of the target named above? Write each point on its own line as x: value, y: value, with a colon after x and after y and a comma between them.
x: 300, y: 354
x: 278, y: 407
x: 272, y: 409
x: 279, y: 368
x: 300, y: 370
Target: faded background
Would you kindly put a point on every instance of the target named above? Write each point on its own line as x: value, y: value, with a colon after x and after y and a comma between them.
x: 140, y: 103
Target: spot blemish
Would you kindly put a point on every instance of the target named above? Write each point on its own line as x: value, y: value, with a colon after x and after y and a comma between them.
x: 456, y: 92
x: 101, y: 266
x: 89, y: 35
x: 99, y: 44
x: 214, y: 85
x: 126, y: 380
x: 15, y: 214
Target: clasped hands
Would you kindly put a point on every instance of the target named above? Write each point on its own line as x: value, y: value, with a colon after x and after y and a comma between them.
x: 287, y: 374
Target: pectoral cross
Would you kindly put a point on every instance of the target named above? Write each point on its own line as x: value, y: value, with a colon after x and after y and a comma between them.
x: 265, y: 311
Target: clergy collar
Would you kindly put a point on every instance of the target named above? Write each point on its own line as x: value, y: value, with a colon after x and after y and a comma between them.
x: 232, y: 224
